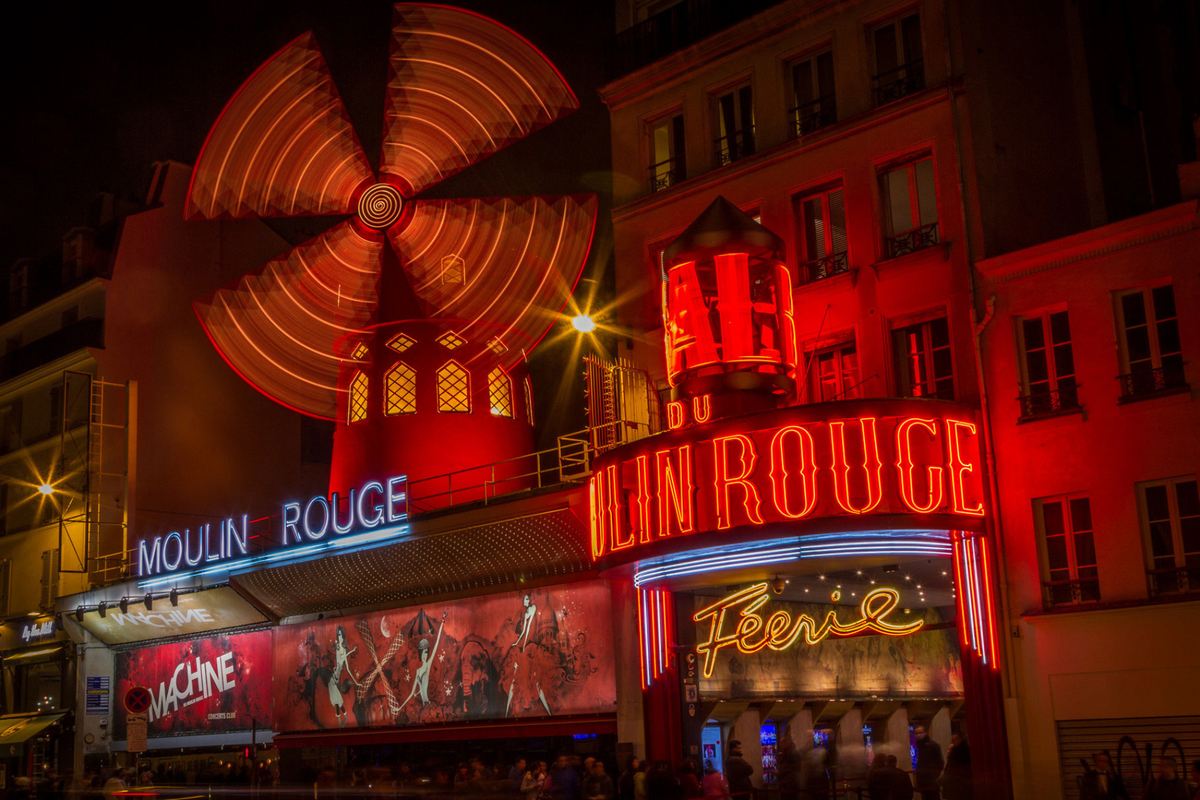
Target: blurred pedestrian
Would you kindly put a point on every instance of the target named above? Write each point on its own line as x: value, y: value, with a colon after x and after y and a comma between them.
x: 1167, y: 784
x: 660, y: 783
x: 115, y: 784
x: 533, y: 780
x: 878, y: 780
x: 597, y: 785
x: 956, y: 778
x: 689, y: 781
x: 713, y: 783
x: 930, y: 763
x: 639, y: 780
x: 1100, y: 782
x: 516, y: 775
x: 738, y: 772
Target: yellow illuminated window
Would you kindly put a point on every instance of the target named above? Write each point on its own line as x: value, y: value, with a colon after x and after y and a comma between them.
x: 498, y: 347
x: 401, y: 390
x: 451, y: 340
x: 500, y: 393
x: 454, y: 388
x: 359, y: 352
x: 454, y: 270
x: 529, y: 400
x: 401, y: 342
x: 358, y: 399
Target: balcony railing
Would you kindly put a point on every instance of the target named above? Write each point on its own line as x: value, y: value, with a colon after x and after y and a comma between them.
x: 666, y: 174
x: 813, y: 116
x: 1071, y: 593
x: 675, y: 28
x: 827, y: 267
x: 1050, y: 403
x: 734, y: 147
x: 1143, y: 383
x: 87, y: 332
x: 900, y: 82
x: 911, y: 241
x: 1178, y: 580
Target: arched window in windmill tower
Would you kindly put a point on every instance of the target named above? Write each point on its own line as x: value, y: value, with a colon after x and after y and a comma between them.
x: 500, y: 393
x: 453, y: 388
x: 400, y: 390
x: 357, y: 410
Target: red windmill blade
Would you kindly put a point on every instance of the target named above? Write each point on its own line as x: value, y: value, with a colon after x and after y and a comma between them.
x: 460, y: 88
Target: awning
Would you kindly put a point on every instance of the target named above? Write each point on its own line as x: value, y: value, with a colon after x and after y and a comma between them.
x: 507, y: 729
x: 16, y: 729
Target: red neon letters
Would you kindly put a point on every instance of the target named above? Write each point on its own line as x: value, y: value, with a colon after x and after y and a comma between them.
x: 919, y: 464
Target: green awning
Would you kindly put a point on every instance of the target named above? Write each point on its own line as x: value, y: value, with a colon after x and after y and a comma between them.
x: 16, y: 729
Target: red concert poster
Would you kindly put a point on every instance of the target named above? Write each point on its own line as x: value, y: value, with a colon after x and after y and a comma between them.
x: 219, y: 683
x: 539, y: 653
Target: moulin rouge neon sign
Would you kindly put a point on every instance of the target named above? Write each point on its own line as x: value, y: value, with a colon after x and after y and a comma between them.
x: 750, y: 633
x: 784, y: 466
x: 366, y: 514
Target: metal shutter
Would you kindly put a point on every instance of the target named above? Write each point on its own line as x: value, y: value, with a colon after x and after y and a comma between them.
x: 1080, y: 738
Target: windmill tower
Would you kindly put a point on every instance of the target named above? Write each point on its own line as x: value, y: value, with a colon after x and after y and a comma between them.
x: 408, y: 321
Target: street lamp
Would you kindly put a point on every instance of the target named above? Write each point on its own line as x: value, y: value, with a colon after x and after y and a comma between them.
x: 583, y: 323
x: 46, y: 488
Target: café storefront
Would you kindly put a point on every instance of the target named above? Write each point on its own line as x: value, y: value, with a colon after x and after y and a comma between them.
x: 38, y: 704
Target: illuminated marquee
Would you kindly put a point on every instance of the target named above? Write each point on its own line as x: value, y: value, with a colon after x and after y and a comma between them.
x: 375, y: 508
x: 784, y: 467
x: 750, y: 633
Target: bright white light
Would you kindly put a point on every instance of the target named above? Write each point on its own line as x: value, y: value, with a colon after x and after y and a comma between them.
x: 46, y: 488
x: 583, y: 323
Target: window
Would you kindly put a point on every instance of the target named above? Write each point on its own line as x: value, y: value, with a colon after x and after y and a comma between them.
x: 451, y: 340
x: 400, y: 387
x: 734, y: 125
x: 1068, y: 550
x: 3, y: 513
x: 899, y: 68
x: 822, y: 221
x: 924, y: 366
x: 49, y: 579
x: 316, y: 440
x: 358, y: 399
x: 18, y: 288
x: 401, y: 342
x: 454, y: 269
x: 834, y: 374
x: 667, y: 166
x: 56, y: 410
x: 1171, y: 524
x: 909, y: 207
x: 1151, y: 351
x: 500, y: 393
x: 12, y: 426
x: 5, y: 573
x: 1048, y: 380
x: 813, y: 102
x: 454, y: 388
x: 529, y: 401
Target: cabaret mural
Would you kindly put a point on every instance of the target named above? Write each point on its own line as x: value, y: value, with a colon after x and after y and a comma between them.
x: 926, y: 661
x: 543, y: 652
x: 218, y: 683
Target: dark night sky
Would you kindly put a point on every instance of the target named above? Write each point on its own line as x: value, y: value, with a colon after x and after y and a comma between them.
x: 96, y: 92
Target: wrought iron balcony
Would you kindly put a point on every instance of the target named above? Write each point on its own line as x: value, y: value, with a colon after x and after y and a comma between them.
x: 1143, y: 383
x: 827, y: 267
x: 1071, y: 593
x: 734, y: 147
x: 1049, y: 403
x: 813, y: 116
x: 1179, y: 580
x: 900, y: 82
x: 911, y: 241
x: 666, y: 174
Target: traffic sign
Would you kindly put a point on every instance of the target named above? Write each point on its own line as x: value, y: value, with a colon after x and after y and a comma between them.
x: 137, y: 700
x: 135, y: 732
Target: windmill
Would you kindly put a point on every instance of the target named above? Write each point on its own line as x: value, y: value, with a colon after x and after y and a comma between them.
x: 408, y: 321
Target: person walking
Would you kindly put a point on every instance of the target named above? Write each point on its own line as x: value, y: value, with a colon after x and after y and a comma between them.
x: 738, y: 772
x: 639, y: 780
x: 689, y: 781
x: 625, y: 781
x: 660, y: 783
x: 532, y: 781
x: 597, y: 785
x: 956, y: 778
x: 930, y: 764
x: 1167, y: 784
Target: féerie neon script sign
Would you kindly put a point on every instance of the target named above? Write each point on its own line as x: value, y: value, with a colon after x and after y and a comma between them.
x: 365, y: 515
x: 750, y: 633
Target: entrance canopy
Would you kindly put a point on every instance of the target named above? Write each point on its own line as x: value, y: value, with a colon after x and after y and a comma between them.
x: 17, y: 729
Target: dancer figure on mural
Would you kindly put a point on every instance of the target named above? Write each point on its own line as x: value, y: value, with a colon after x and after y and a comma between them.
x: 340, y: 656
x: 421, y: 680
x: 537, y: 687
x: 525, y: 623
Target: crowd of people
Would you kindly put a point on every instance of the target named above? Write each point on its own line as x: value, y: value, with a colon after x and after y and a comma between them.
x: 1101, y: 782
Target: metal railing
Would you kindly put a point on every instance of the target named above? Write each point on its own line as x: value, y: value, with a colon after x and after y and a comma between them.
x: 813, y: 116
x: 1143, y: 383
x: 1173, y: 580
x: 734, y: 147
x: 911, y: 241
x: 827, y: 267
x: 900, y: 82
x: 1049, y: 403
x: 1071, y: 592
x: 666, y: 174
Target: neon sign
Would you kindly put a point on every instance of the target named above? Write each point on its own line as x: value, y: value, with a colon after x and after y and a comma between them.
x: 750, y: 633
x: 787, y: 466
x: 365, y: 514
